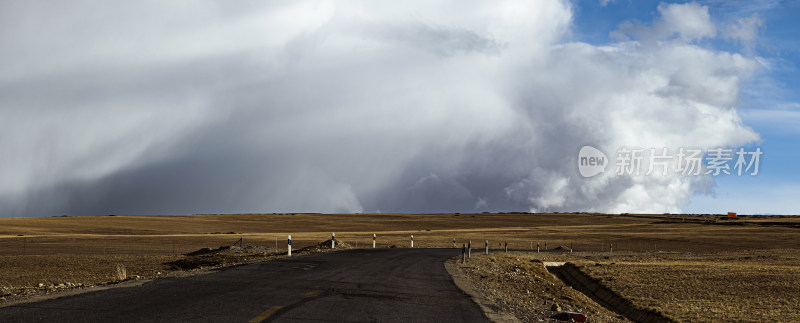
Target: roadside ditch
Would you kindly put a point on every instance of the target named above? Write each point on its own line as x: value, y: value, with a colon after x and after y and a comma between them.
x: 594, y: 289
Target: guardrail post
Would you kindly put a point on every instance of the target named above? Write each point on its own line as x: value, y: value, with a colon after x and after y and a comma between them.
x: 333, y: 240
x: 454, y: 242
x: 412, y: 241
x: 290, y: 245
x: 469, y: 249
x: 487, y: 247
x: 374, y: 237
x: 463, y: 254
x: 506, y: 245
x: 537, y: 247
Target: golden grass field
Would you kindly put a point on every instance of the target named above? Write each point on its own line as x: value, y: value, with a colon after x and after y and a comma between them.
x: 175, y: 234
x: 85, y: 250
x: 721, y: 286
x: 756, y: 285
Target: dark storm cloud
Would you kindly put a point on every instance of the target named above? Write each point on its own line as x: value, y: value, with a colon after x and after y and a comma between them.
x: 201, y: 107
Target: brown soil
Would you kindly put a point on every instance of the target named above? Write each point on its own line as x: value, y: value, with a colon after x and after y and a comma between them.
x: 23, y: 276
x: 755, y: 286
x: 741, y: 286
x: 178, y: 234
x: 59, y: 273
x: 523, y: 287
x: 86, y: 250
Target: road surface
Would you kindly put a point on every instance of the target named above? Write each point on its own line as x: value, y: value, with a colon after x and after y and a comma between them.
x: 363, y: 285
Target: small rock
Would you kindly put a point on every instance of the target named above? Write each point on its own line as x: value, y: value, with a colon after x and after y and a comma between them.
x: 40, y: 285
x: 61, y: 285
x: 570, y: 316
x: 555, y: 308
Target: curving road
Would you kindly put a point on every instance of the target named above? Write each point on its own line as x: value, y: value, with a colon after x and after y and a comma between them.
x: 364, y: 285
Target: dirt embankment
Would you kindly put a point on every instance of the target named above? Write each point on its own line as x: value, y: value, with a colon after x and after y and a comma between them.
x: 524, y: 288
x: 575, y: 278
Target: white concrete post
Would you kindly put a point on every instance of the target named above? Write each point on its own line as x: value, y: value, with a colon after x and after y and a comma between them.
x: 463, y: 254
x: 537, y: 246
x: 412, y: 241
x: 469, y: 249
x: 506, y: 245
x: 290, y: 245
x: 611, y: 246
x: 333, y: 240
x: 487, y: 247
x: 374, y: 237
x: 454, y: 242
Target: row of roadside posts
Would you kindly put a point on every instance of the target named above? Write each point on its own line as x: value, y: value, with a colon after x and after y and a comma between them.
x: 466, y: 249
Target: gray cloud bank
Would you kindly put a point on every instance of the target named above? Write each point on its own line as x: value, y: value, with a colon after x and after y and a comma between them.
x: 197, y: 107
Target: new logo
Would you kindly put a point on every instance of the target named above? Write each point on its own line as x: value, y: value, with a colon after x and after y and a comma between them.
x: 591, y: 161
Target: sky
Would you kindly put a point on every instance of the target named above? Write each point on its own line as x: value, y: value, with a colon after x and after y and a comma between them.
x: 184, y: 107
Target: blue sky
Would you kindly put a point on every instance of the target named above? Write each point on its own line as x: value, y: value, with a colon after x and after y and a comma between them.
x: 769, y: 100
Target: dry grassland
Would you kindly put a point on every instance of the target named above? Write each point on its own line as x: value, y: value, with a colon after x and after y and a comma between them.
x: 86, y: 250
x: 755, y: 286
x: 727, y: 286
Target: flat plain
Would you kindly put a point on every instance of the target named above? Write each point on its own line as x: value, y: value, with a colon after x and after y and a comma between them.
x: 689, y: 267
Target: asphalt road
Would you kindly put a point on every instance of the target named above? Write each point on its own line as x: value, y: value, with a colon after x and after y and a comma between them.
x: 364, y: 285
